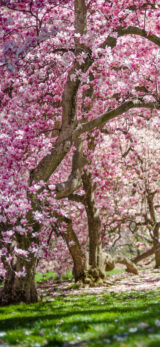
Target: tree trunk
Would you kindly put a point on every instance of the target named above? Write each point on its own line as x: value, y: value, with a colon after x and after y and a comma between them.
x: 21, y: 287
x: 70, y: 237
x: 78, y: 257
x: 157, y: 252
x: 157, y: 259
x: 96, y: 269
x: 150, y: 199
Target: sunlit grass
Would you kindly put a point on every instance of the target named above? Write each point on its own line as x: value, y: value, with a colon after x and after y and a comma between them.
x: 52, y: 275
x: 123, y: 319
x: 44, y: 277
x: 68, y: 276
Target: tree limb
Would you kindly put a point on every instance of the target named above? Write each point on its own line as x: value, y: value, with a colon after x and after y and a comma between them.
x: 131, y: 30
x: 105, y: 117
x: 77, y: 198
x: 146, y: 254
x: 74, y: 181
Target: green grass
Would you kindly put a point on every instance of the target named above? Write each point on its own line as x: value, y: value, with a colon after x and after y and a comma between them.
x: 115, y: 271
x: 68, y: 276
x: 123, y: 319
x: 52, y: 275
x: 44, y: 277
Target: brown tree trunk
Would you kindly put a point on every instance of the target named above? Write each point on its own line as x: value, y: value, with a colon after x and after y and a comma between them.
x: 156, y: 241
x: 21, y: 289
x: 70, y: 237
x: 150, y: 199
x: 78, y: 256
x: 96, y: 258
x: 157, y: 259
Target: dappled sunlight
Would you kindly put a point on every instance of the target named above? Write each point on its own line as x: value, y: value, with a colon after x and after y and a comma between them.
x: 84, y: 320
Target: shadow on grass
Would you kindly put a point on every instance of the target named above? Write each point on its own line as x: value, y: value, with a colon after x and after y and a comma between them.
x: 117, y: 321
x: 22, y: 321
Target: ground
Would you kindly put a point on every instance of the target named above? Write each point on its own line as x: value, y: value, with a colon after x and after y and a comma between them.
x: 124, y: 313
x: 148, y: 279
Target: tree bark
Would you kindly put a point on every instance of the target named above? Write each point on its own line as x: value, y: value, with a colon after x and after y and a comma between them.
x: 96, y: 259
x: 156, y: 242
x: 131, y: 267
x: 110, y: 263
x: 146, y: 254
x: 74, y: 247
x: 157, y: 259
x: 150, y: 200
x: 21, y: 289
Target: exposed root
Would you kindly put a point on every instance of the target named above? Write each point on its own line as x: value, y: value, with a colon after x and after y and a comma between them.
x: 111, y: 261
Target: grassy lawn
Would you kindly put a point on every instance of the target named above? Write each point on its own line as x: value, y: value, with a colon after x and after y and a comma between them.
x: 123, y: 319
x: 51, y: 274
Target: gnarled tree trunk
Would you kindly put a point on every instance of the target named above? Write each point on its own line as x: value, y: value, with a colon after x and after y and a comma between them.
x: 96, y: 271
x: 74, y: 247
x: 21, y: 287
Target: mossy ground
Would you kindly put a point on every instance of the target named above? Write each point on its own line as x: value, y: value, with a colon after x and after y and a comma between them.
x: 113, y: 319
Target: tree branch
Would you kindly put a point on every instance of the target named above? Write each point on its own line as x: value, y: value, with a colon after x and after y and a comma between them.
x: 77, y: 198
x: 105, y: 117
x: 74, y: 181
x: 131, y: 30
x: 146, y: 254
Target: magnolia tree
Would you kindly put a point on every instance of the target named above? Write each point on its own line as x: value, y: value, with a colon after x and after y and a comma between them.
x: 68, y: 67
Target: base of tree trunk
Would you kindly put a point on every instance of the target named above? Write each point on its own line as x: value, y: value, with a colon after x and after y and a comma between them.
x: 92, y: 277
x: 96, y: 276
x: 15, y: 293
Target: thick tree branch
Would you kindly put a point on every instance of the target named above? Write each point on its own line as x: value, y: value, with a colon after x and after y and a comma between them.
x: 146, y: 254
x: 131, y: 267
x: 51, y: 161
x: 150, y: 197
x: 74, y: 181
x: 111, y: 261
x: 77, y: 198
x: 69, y: 99
x: 105, y: 117
x: 131, y: 30
x: 70, y: 237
